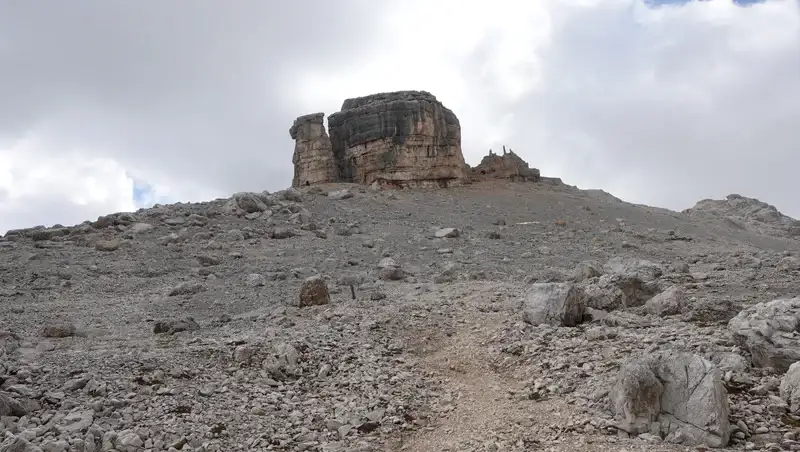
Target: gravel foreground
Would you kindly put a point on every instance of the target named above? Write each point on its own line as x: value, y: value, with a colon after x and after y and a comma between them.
x: 342, y: 318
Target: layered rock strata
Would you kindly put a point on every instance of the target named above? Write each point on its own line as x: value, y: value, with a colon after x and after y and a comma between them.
x: 313, y: 157
x: 404, y: 138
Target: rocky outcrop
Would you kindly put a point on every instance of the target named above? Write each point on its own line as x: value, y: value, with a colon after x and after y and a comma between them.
x: 313, y: 154
x: 741, y: 212
x: 506, y: 166
x: 404, y: 138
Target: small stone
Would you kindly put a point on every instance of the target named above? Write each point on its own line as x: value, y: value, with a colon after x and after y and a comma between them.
x: 314, y: 292
x: 207, y: 260
x: 340, y: 194
x: 107, y: 245
x: 447, y: 233
x: 186, y: 288
x: 59, y: 330
x: 175, y: 326
x: 138, y: 228
x: 255, y: 280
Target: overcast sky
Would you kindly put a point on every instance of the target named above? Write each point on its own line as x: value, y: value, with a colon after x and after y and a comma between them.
x: 110, y: 106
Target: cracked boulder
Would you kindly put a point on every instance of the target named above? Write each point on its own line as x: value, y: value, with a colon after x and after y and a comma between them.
x: 557, y: 304
x: 626, y: 283
x: 612, y: 292
x: 678, y: 396
x: 769, y: 332
x: 672, y: 301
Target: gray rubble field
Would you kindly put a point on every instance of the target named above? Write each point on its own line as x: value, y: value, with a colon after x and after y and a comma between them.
x: 496, y: 316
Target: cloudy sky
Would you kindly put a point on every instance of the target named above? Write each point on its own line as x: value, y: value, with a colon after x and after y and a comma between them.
x: 110, y: 106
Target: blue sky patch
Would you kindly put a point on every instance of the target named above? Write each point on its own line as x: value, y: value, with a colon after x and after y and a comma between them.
x: 143, y: 194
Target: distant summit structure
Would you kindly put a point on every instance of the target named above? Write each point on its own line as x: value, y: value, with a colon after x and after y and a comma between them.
x: 506, y: 166
x: 402, y: 138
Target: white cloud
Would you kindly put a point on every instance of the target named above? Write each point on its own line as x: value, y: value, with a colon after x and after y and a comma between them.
x: 671, y: 104
x: 660, y: 105
x: 43, y: 188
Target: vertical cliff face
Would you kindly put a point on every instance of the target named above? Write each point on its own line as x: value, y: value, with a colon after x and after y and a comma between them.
x: 313, y: 157
x: 405, y: 138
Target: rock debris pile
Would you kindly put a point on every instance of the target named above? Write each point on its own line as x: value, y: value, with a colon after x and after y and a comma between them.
x: 747, y: 213
x: 485, y: 317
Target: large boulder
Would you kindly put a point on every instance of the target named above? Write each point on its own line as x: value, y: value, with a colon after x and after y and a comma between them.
x: 678, y: 396
x: 405, y: 138
x: 639, y: 268
x: 9, y: 343
x: 611, y: 292
x: 17, y: 444
x: 622, y: 283
x: 249, y: 202
x: 710, y: 310
x: 790, y: 387
x: 769, y: 332
x: 10, y: 406
x: 672, y: 301
x: 557, y: 304
x: 313, y: 292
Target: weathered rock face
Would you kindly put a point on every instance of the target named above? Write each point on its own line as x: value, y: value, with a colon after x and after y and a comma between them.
x: 768, y: 332
x: 313, y: 154
x: 557, y: 304
x: 678, y: 396
x: 506, y: 166
x: 405, y: 138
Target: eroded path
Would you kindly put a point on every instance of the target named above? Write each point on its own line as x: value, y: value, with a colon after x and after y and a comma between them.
x: 486, y: 408
x: 478, y: 406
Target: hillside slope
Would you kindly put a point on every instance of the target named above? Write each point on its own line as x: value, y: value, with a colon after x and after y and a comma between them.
x: 178, y: 327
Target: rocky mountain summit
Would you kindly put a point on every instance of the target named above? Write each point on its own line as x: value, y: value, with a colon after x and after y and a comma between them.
x: 506, y: 166
x: 404, y: 138
x: 400, y: 139
x: 495, y: 316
